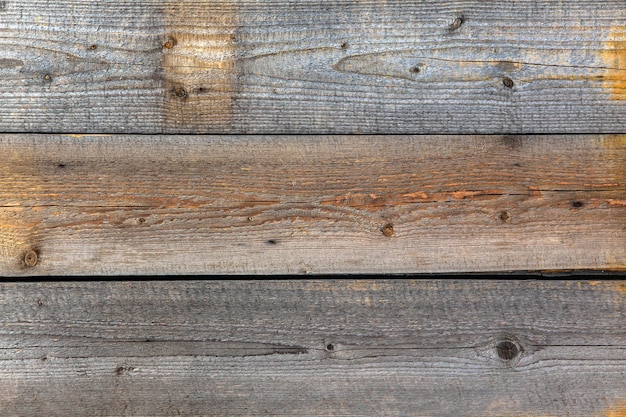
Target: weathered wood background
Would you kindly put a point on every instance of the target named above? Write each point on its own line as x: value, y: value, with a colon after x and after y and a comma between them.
x: 313, y: 348
x: 512, y: 157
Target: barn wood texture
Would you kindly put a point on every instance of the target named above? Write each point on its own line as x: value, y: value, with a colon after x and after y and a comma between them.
x: 278, y: 66
x: 75, y: 205
x: 313, y: 348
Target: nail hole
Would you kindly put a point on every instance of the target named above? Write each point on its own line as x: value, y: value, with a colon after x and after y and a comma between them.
x: 457, y: 23
x: 93, y: 47
x: 47, y: 77
x: 505, y: 216
x: 30, y: 258
x: 577, y: 204
x: 387, y: 230
x: 40, y: 303
x: 508, y: 83
x: 141, y: 220
x: 43, y: 358
x: 330, y: 347
x: 272, y: 242
x: 507, y: 350
x: 416, y: 69
x: 344, y: 45
x: 61, y: 165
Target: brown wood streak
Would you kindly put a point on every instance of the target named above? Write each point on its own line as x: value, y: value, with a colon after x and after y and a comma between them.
x: 313, y: 348
x: 274, y: 204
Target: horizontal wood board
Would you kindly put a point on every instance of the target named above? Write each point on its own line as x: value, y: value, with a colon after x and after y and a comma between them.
x: 313, y: 348
x: 277, y: 66
x: 109, y: 205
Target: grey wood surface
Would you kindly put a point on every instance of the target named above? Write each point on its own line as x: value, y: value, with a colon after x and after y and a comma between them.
x: 277, y: 66
x: 310, y: 204
x: 313, y: 348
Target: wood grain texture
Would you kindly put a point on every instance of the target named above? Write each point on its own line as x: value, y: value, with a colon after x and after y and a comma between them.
x: 74, y: 205
x: 277, y: 66
x: 313, y: 348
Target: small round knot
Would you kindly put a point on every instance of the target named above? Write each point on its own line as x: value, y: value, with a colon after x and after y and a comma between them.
x: 505, y: 216
x: 387, y: 230
x: 330, y: 347
x: 457, y: 23
x: 180, y: 92
x: 30, y: 258
x: 508, y: 350
x: 508, y: 83
x: 169, y: 43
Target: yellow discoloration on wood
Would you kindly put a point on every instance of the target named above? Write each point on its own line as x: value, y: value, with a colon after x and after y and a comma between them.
x: 612, y: 141
x: 199, y: 66
x: 620, y: 409
x: 614, y: 57
x: 619, y: 286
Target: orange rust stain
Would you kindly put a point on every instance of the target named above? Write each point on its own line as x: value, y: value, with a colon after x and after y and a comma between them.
x: 482, y: 194
x: 614, y: 57
x: 613, y: 202
x: 363, y: 201
x: 80, y: 136
x: 534, y: 191
x: 422, y: 196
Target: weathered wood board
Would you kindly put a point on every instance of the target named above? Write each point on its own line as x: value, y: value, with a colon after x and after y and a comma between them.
x: 313, y: 348
x: 313, y: 66
x: 76, y: 205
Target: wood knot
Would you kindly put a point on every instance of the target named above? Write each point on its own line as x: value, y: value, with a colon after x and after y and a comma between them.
x: 169, y: 43
x: 508, y: 350
x: 387, y: 230
x: 180, y: 92
x: 458, y: 22
x: 508, y: 83
x: 505, y: 216
x: 330, y: 347
x: 30, y: 258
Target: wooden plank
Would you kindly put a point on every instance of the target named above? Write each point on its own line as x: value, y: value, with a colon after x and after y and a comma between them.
x: 313, y: 348
x: 74, y: 205
x: 275, y: 66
